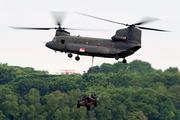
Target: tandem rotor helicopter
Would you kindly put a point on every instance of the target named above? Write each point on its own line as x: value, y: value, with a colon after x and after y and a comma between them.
x: 124, y: 43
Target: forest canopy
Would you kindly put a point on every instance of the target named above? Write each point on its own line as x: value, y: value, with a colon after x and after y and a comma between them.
x: 132, y: 91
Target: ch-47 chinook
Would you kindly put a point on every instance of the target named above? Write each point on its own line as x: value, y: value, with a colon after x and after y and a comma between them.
x: 124, y: 43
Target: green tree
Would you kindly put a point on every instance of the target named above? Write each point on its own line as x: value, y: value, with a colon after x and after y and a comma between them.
x: 58, y: 115
x: 167, y: 109
x: 170, y: 116
x: 173, y: 93
x: 140, y: 66
x: 7, y: 73
x: 2, y: 116
x: 136, y: 82
x: 91, y: 115
x: 140, y: 115
x: 33, y: 97
x: 66, y: 113
x: 106, y: 68
x: 23, y: 112
x: 172, y: 70
x: 8, y: 103
x: 3, y: 92
x: 32, y: 112
x: 51, y: 104
x: 42, y: 117
x: 119, y: 112
x: 78, y: 114
x: 10, y: 109
x: 103, y: 111
x: 63, y: 84
x: 163, y: 114
x: 74, y: 95
x: 94, y: 69
x: 40, y: 110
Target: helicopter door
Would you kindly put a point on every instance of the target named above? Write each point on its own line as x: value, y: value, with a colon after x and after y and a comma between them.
x: 62, y: 41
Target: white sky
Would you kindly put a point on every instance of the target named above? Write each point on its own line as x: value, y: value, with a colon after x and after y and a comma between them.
x: 27, y: 48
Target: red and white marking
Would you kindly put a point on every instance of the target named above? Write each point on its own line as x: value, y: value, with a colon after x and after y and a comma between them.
x: 82, y: 49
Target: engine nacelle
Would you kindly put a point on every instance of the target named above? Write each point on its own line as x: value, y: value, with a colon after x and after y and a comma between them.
x: 118, y: 38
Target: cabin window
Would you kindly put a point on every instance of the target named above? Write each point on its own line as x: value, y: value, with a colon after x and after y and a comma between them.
x: 62, y: 41
x: 86, y: 43
x: 99, y: 44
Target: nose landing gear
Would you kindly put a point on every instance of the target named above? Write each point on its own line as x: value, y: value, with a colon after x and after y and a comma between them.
x: 70, y: 55
x: 117, y: 57
x: 77, y: 58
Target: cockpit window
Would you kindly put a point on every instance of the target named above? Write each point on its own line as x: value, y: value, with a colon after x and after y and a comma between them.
x: 54, y: 39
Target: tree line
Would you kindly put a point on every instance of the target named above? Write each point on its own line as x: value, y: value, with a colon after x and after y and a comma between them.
x: 133, y: 91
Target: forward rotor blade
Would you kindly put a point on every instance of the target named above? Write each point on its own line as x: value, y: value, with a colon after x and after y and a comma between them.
x: 29, y: 28
x: 59, y: 17
x: 145, y: 28
x: 102, y: 19
x: 146, y: 20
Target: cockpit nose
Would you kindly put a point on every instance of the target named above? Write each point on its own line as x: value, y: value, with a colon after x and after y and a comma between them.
x: 47, y: 44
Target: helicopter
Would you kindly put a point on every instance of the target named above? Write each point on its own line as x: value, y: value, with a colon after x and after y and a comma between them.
x: 124, y: 43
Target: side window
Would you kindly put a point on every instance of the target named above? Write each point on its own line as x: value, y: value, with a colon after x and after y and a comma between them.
x: 62, y: 41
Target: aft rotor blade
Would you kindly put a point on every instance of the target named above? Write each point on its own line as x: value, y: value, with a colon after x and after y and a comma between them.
x: 102, y: 19
x: 29, y: 28
x: 85, y: 29
x: 145, y: 28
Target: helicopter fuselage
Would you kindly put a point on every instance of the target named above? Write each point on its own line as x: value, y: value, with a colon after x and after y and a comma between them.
x: 120, y: 46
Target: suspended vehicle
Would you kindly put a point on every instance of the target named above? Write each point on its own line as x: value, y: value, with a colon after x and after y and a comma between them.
x: 88, y: 101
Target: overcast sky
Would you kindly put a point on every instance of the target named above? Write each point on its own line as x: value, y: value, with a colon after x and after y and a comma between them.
x: 27, y: 48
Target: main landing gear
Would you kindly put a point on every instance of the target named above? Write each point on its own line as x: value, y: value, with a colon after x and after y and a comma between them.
x: 124, y: 60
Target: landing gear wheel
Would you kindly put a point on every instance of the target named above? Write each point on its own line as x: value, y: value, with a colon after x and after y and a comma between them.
x: 117, y: 57
x: 77, y: 58
x: 94, y: 95
x: 124, y: 60
x: 70, y: 55
x: 78, y: 105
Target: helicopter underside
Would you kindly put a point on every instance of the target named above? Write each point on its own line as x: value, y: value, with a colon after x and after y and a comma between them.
x: 100, y: 52
x: 120, y: 55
